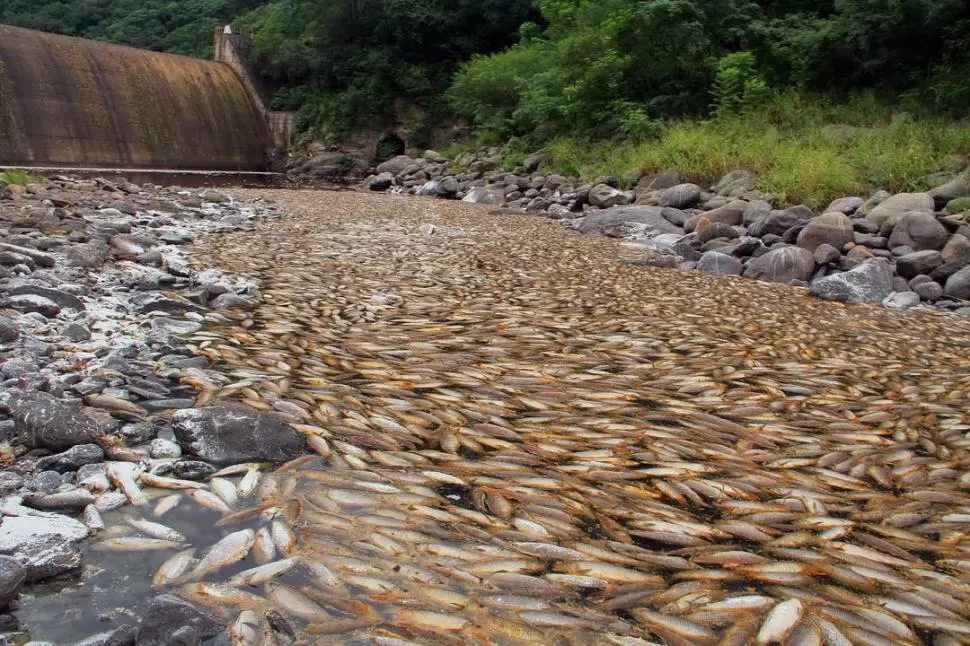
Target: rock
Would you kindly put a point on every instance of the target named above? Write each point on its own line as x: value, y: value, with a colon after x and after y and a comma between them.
x: 30, y: 303
x: 943, y: 194
x: 396, y: 165
x: 680, y: 196
x: 929, y: 291
x: 754, y: 211
x: 831, y: 228
x: 619, y: 222
x: 730, y: 214
x: 73, y: 458
x: 898, y: 205
x: 212, y: 195
x: 942, y: 273
x: 846, y: 205
x: 782, y: 265
x: 717, y: 230
x: 230, y: 301
x: 920, y: 231
x: 9, y: 330
x: 90, y: 255
x: 605, y: 196
x: 675, y: 216
x: 45, y: 422
x: 45, y: 544
x: 958, y: 285
x: 532, y: 163
x: 380, y: 182
x: 919, y: 262
x: 869, y: 282
x: 223, y: 435
x: 859, y: 253
x: 63, y: 299
x: 901, y: 300
x: 734, y: 184
x: 12, y: 577
x: 76, y: 332
x: 826, y: 254
x: 448, y: 187
x: 123, y: 635
x: 720, y: 264
x: 192, y: 470
x: 957, y: 246
x: 167, y: 614
x: 161, y: 448
x: 485, y: 195
x: 39, y: 257
x: 778, y: 222
x: 657, y: 181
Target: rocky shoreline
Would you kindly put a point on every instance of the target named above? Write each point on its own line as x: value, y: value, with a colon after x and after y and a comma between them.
x: 98, y: 390
x: 905, y: 250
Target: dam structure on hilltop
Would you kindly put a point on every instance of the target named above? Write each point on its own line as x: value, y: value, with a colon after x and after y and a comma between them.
x: 73, y: 103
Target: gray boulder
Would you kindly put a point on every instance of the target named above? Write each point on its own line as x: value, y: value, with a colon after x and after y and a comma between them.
x: 825, y: 254
x: 72, y: 459
x: 869, y: 282
x: 920, y: 231
x: 680, y: 196
x: 485, y: 195
x: 957, y: 246
x: 12, y: 577
x: 782, y: 265
x: 89, y: 255
x: 958, y: 285
x: 720, y: 264
x: 831, y: 228
x: 734, y: 184
x: 212, y: 195
x: 46, y: 544
x: 928, y: 291
x: 41, y: 421
x: 167, y: 614
x: 9, y: 330
x: 618, y: 222
x: 30, y: 303
x: 396, y: 165
x: 380, y: 182
x: 717, y: 230
x: 846, y: 205
x: 898, y: 205
x: 448, y: 187
x: 901, y: 300
x: 123, y: 635
x: 730, y: 214
x: 956, y: 187
x: 605, y: 196
x: 755, y: 211
x: 919, y: 262
x: 778, y: 222
x: 223, y: 435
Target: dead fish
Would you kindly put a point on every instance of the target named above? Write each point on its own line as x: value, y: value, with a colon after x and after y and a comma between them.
x: 208, y: 500
x: 262, y: 573
x: 124, y: 475
x: 136, y: 544
x: 92, y: 518
x: 246, y: 630
x: 166, y: 504
x: 780, y: 622
x: 225, y: 490
x: 76, y: 498
x: 230, y: 549
x: 156, y: 530
x: 162, y: 482
x: 173, y: 568
x: 109, y: 402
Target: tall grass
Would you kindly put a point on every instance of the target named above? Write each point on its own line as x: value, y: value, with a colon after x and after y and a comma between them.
x: 20, y: 177
x: 801, y: 151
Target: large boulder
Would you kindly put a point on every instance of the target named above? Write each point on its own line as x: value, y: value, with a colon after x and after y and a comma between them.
x: 782, y: 265
x: 958, y: 285
x: 63, y: 299
x: 605, y: 196
x: 485, y: 195
x: 898, y: 205
x: 730, y: 214
x: 719, y: 264
x: 622, y: 221
x: 845, y: 205
x: 956, y: 247
x: 396, y: 165
x: 448, y: 186
x: 919, y: 231
x: 956, y: 187
x: 919, y: 262
x: 831, y: 228
x: 224, y: 435
x: 734, y: 184
x: 778, y: 222
x: 12, y: 577
x: 167, y: 614
x: 380, y: 182
x: 870, y: 282
x: 680, y: 196
x: 41, y: 421
x: 46, y: 544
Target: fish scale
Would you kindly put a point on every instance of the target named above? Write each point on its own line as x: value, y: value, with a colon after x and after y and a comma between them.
x: 552, y: 440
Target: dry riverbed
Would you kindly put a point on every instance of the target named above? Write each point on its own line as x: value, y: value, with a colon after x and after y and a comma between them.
x: 523, y: 438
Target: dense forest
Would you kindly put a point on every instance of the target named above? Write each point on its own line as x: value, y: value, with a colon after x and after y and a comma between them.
x: 768, y: 74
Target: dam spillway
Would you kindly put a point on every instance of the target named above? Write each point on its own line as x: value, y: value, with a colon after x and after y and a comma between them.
x: 69, y: 102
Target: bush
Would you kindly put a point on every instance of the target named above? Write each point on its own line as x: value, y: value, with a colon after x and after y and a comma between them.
x: 738, y: 88
x: 21, y: 177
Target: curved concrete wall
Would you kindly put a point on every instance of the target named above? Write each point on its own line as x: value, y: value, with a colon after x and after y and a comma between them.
x: 73, y: 102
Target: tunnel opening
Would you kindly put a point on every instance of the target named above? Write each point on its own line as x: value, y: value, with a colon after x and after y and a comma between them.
x: 389, y: 145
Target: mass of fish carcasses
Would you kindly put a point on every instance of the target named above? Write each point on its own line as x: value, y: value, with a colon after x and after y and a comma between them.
x: 523, y: 440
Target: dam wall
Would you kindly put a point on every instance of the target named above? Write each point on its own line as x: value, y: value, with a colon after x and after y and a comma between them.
x: 70, y: 102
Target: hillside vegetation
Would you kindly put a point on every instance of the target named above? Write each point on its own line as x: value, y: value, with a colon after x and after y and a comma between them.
x: 816, y: 96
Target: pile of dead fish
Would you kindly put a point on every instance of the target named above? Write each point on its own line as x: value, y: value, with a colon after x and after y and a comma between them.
x: 522, y: 441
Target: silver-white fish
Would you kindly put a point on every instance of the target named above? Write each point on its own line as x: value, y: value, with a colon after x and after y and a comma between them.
x: 231, y: 549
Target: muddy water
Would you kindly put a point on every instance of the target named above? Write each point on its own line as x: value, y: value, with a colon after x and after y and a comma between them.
x: 523, y: 440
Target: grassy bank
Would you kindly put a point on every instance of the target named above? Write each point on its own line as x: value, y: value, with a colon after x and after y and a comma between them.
x: 20, y: 177
x: 801, y: 151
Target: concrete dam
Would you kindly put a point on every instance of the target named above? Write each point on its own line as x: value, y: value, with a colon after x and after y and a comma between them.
x: 72, y: 103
